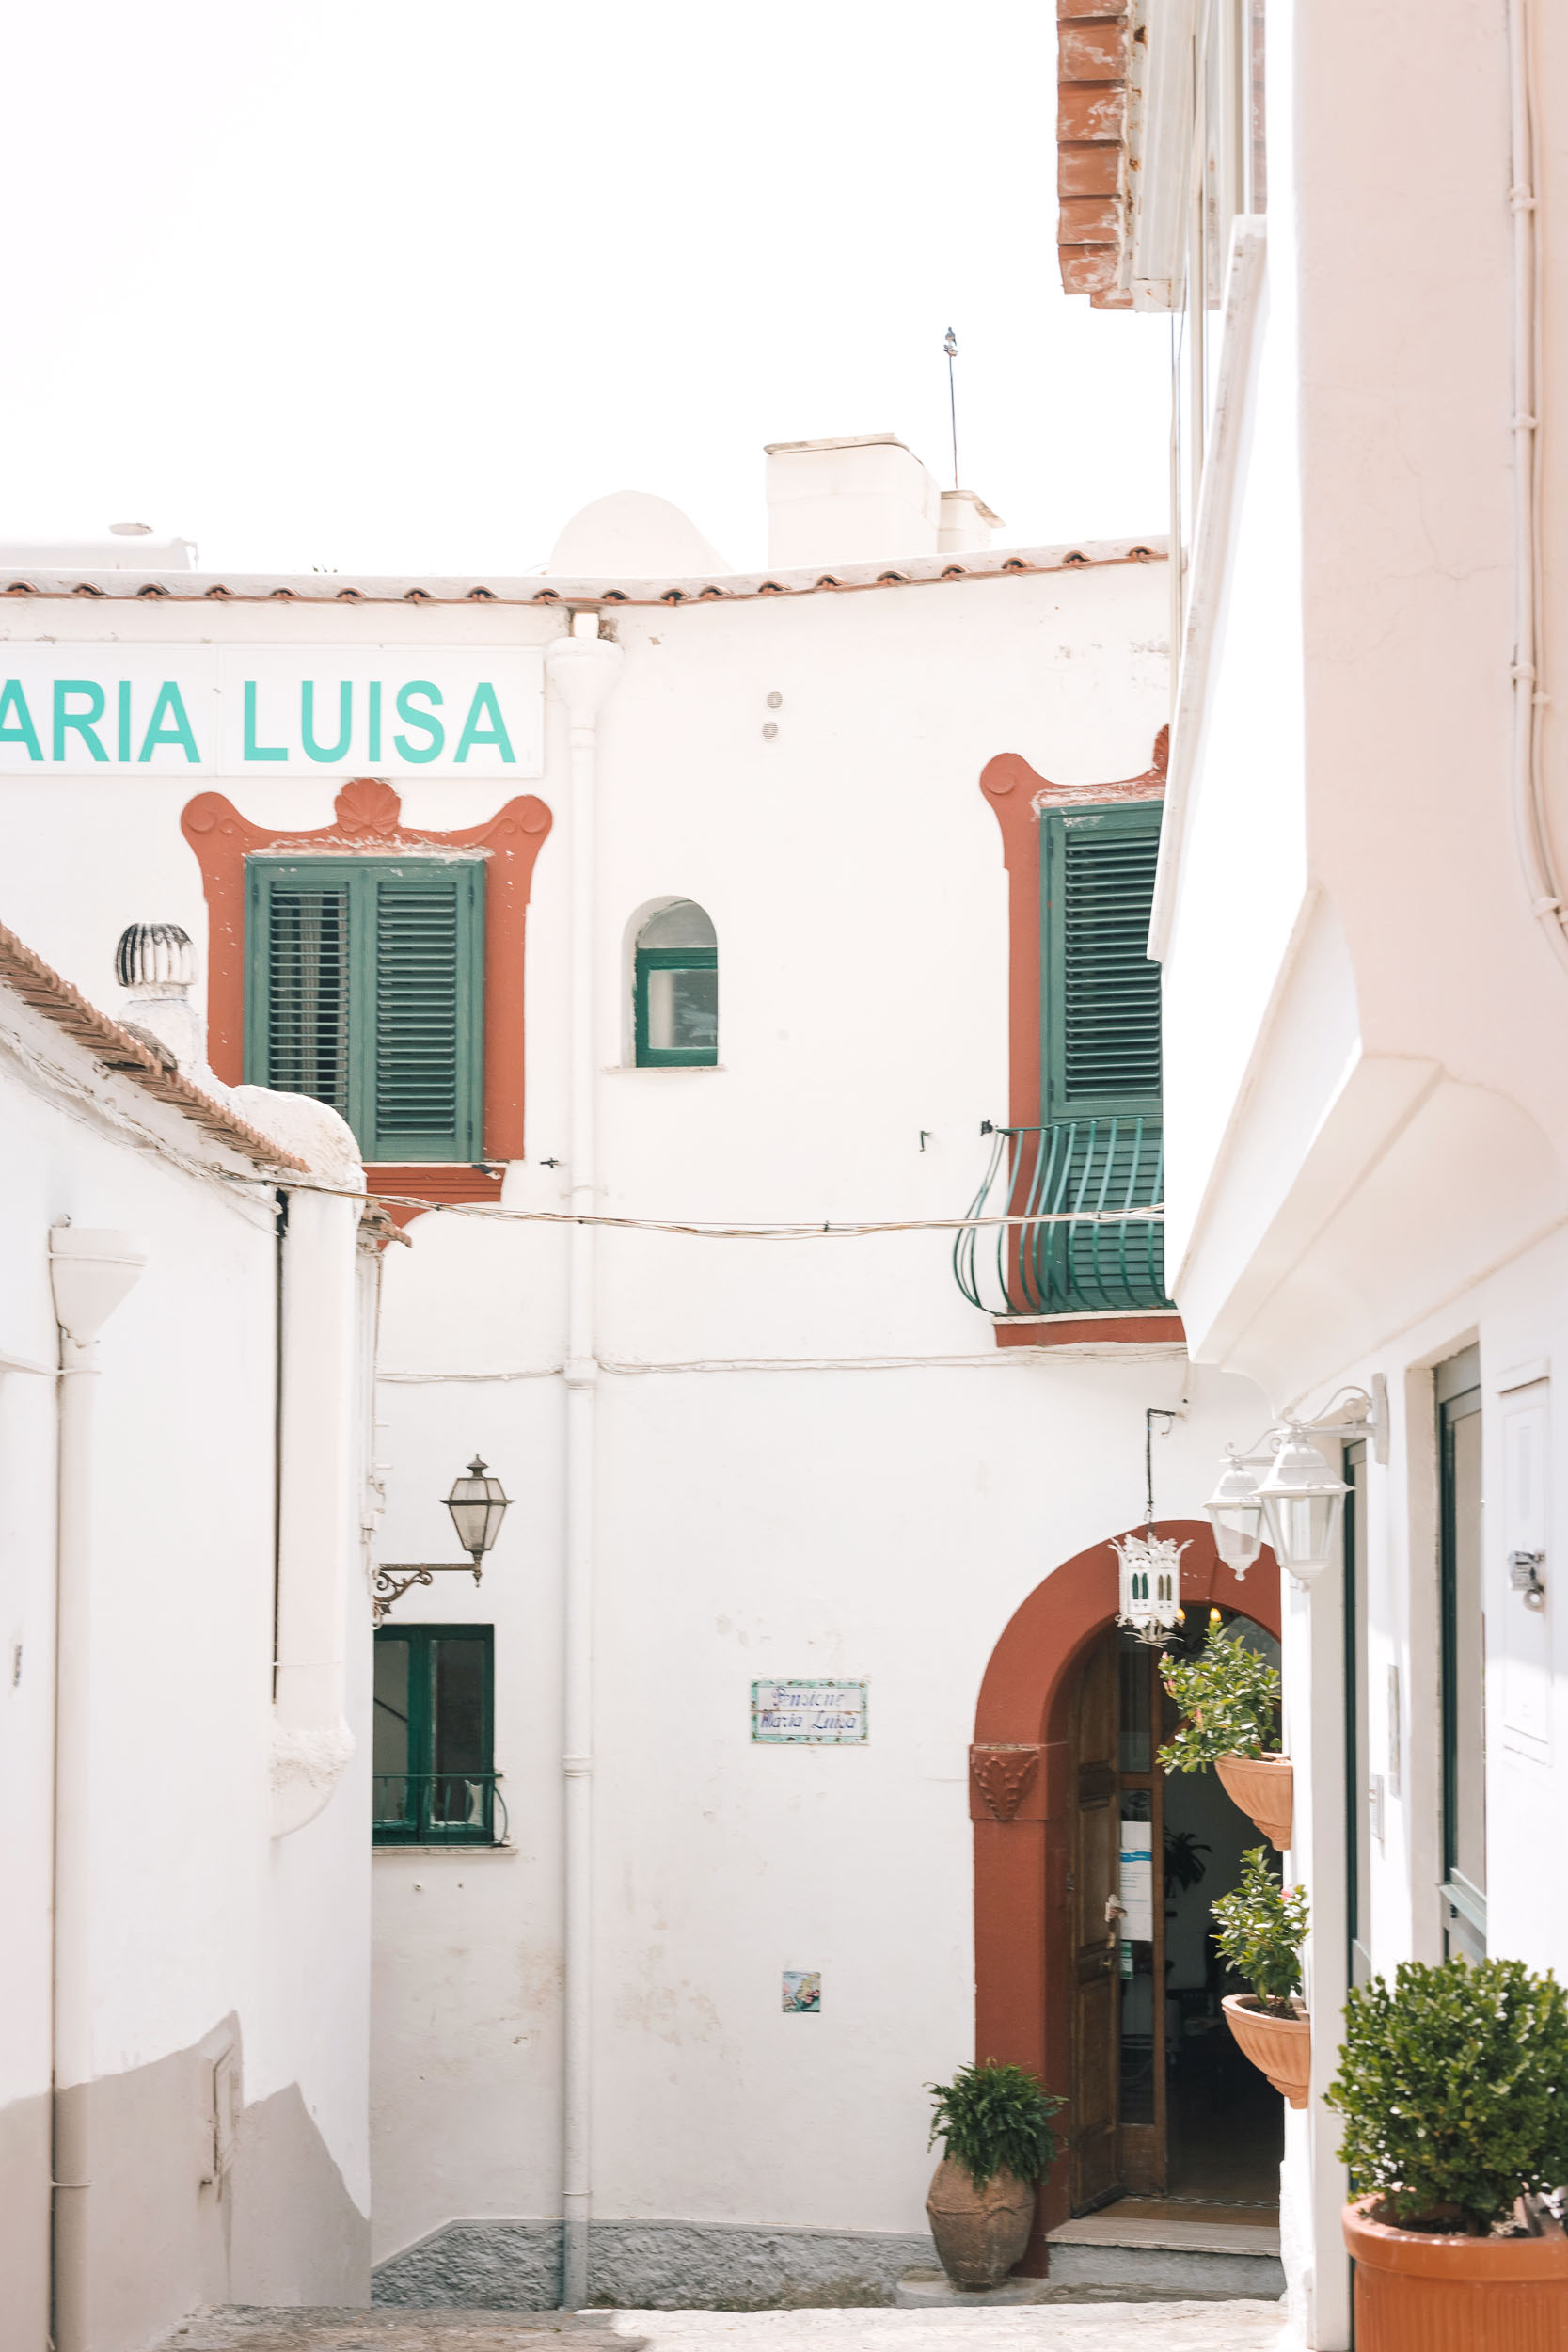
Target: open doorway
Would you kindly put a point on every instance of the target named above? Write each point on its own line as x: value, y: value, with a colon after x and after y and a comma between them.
x: 1163, y: 2105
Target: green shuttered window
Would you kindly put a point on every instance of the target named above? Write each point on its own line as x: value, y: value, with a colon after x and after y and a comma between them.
x: 365, y: 988
x: 1100, y: 1029
x: 1102, y: 1144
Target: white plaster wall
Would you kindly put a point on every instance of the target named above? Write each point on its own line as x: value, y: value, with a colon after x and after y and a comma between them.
x: 195, y: 1912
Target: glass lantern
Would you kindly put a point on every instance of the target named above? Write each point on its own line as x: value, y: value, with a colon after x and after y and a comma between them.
x: 1236, y: 1509
x: 1302, y: 1501
x: 478, y: 1506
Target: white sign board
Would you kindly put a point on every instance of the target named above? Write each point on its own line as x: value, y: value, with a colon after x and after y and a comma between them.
x: 1137, y: 1882
x: 272, y: 711
x: 818, y: 1714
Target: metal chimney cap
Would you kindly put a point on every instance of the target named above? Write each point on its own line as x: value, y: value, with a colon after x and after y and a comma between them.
x: 154, y: 955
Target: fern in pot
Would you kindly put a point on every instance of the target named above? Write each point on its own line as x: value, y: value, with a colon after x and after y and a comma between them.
x: 994, y: 2124
x: 1229, y: 1697
x: 1262, y: 1927
x: 1452, y: 2086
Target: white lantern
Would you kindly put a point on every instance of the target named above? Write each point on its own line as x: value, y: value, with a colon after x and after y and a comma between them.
x: 1236, y: 1509
x: 1302, y: 1502
x: 1151, y: 1584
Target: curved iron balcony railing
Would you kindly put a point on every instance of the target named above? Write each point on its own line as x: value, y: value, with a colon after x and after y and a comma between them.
x: 438, y: 1808
x: 1087, y: 1198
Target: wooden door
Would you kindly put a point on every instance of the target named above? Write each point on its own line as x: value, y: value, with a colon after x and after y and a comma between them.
x: 1117, y: 2134
x: 1094, y: 1904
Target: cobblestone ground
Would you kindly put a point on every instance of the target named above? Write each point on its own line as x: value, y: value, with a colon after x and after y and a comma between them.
x: 1063, y: 2327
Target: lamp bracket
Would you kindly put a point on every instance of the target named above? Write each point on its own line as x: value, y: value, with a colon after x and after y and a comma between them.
x: 1367, y: 1417
x: 397, y: 1577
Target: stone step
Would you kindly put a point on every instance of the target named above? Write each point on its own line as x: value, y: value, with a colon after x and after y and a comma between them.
x: 1138, y: 2250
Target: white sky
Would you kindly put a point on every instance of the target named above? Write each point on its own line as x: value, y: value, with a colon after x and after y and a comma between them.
x: 400, y: 287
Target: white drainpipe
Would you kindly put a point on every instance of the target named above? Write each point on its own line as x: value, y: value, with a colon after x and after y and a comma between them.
x: 583, y: 668
x: 91, y: 1271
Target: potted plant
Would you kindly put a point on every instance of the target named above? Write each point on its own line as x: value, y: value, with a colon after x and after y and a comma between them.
x: 994, y: 2124
x: 1262, y: 1928
x: 1229, y: 1696
x: 1453, y: 2089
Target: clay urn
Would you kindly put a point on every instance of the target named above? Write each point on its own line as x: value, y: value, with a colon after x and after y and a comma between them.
x: 980, y: 2232
x: 1264, y: 1788
x: 1279, y: 2047
x: 1422, y: 2290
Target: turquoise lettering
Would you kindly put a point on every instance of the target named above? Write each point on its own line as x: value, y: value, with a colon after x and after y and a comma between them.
x: 122, y: 734
x: 252, y: 749
x: 170, y: 708
x: 308, y: 721
x: 431, y: 728
x: 16, y: 720
x: 484, y: 701
x: 81, y: 723
x: 374, y: 750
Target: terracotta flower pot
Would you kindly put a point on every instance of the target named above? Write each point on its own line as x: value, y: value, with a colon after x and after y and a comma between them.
x: 980, y: 2232
x: 1415, y: 2292
x: 1264, y: 1788
x: 1279, y: 2047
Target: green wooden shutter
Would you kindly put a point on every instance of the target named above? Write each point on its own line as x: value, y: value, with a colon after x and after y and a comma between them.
x: 1100, y: 1025
x: 1101, y: 1145
x: 365, y: 988
x: 423, y: 1084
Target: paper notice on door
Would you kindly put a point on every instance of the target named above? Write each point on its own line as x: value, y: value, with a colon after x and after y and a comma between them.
x: 1137, y: 1881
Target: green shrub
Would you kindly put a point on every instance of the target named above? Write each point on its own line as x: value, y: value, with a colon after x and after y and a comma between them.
x: 1261, y: 1931
x: 1453, y: 2089
x: 1237, y: 1693
x: 993, y: 2118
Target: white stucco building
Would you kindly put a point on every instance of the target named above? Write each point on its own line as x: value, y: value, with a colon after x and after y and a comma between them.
x: 725, y: 914
x: 1368, y: 1138
x: 184, y: 1410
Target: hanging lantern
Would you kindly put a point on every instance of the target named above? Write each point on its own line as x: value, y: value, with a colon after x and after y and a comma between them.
x: 1150, y: 1585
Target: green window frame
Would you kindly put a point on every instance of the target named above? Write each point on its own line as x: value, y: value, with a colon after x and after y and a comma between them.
x: 433, y: 1753
x: 1463, y: 1654
x: 1099, y: 1001
x: 652, y: 960
x: 1101, y: 1141
x: 365, y: 988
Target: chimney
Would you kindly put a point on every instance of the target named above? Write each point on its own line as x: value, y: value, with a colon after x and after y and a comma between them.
x: 967, y: 524
x: 155, y: 965
x: 865, y: 498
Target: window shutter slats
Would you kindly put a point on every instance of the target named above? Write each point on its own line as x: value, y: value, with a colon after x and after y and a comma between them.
x: 416, y: 1013
x: 307, y: 1007
x: 1111, y: 991
x: 366, y: 990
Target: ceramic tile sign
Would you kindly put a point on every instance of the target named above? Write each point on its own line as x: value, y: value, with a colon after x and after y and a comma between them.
x: 809, y: 1714
x: 802, y: 1992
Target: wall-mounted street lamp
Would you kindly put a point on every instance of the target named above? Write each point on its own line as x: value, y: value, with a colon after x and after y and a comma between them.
x: 1298, y: 1504
x: 478, y: 1507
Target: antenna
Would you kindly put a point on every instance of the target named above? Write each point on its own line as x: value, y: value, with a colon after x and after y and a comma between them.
x: 950, y: 344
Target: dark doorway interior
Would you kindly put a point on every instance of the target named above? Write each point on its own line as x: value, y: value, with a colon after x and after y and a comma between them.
x: 1165, y: 2106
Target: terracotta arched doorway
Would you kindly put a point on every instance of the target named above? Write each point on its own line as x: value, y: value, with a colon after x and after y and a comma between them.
x: 1020, y: 1800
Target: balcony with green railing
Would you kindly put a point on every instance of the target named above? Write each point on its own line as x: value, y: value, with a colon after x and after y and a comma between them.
x: 437, y: 1809
x: 1081, y: 1205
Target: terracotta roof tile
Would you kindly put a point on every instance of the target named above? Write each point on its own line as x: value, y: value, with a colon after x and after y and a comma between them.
x: 111, y: 1043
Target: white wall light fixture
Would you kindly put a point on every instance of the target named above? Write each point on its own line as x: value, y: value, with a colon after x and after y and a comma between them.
x: 1300, y: 1502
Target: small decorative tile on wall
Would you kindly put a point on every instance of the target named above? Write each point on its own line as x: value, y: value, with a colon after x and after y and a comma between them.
x: 802, y: 1992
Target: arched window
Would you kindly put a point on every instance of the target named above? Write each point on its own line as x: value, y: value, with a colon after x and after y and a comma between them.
x: 677, y: 990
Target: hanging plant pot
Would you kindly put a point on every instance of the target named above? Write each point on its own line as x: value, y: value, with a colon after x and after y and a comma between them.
x: 1264, y: 1788
x: 1279, y: 2047
x: 1418, y: 2292
x: 980, y: 2232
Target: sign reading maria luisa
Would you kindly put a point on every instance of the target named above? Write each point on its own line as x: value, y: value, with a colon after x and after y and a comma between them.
x: 817, y: 1715
x: 272, y: 711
